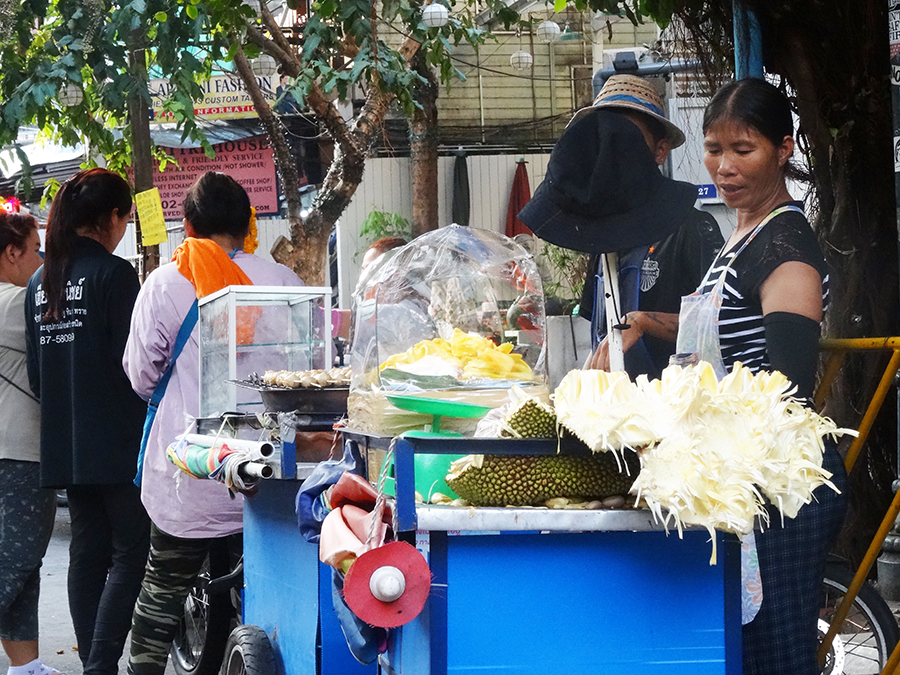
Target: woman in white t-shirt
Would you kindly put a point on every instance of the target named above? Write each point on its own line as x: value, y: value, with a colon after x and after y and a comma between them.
x: 26, y: 509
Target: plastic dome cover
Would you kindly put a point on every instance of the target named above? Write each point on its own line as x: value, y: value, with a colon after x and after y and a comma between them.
x: 456, y: 308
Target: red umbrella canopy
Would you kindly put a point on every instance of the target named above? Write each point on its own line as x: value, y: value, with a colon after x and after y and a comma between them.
x: 518, y: 198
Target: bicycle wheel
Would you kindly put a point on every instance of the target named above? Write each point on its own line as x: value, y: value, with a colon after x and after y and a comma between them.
x: 199, y: 643
x: 249, y: 652
x: 868, y: 635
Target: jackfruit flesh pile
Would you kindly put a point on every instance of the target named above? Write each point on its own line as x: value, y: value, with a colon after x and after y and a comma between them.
x: 712, y: 453
x: 471, y: 356
x: 530, y: 480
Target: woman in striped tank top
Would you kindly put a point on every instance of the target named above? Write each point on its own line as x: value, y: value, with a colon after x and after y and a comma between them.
x: 772, y: 283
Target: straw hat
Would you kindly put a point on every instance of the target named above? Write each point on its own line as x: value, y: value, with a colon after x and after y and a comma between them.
x: 630, y: 92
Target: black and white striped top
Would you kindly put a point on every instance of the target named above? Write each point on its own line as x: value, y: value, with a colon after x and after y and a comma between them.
x: 786, y: 238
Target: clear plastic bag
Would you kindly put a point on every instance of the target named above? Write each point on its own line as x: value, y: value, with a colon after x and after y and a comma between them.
x: 456, y: 314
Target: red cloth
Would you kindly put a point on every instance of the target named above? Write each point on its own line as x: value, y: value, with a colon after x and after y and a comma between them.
x: 518, y: 198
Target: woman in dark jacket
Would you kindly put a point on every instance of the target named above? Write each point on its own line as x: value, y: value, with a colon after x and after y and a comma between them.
x: 78, y: 310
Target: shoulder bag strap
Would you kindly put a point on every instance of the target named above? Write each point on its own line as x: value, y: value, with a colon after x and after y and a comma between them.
x: 184, y: 333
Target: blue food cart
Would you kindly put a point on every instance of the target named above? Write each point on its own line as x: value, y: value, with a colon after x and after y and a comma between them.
x: 515, y: 591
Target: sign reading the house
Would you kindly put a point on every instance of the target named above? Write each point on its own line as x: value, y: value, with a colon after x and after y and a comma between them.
x: 250, y: 161
x: 224, y: 97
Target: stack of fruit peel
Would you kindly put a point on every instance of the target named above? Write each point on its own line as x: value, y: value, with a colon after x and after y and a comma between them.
x: 474, y: 357
x: 713, y: 453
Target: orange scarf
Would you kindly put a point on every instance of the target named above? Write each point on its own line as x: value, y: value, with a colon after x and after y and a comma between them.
x: 206, y: 265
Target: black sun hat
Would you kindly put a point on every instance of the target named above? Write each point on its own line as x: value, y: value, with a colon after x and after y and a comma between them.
x: 603, y: 190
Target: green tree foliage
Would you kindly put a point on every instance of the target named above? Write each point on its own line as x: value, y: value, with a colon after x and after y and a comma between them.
x: 336, y: 45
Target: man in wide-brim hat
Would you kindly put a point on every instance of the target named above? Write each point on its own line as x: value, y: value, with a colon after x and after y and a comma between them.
x: 603, y: 192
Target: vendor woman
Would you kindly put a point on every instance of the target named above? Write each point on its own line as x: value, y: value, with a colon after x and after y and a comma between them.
x: 772, y: 282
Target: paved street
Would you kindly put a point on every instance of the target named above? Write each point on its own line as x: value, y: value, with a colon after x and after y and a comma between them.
x: 57, y: 637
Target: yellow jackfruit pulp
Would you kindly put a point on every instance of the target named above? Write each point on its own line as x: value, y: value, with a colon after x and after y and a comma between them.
x: 476, y: 356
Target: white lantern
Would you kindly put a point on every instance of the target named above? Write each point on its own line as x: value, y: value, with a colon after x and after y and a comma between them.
x: 70, y: 94
x: 521, y: 60
x: 435, y: 15
x: 264, y: 65
x: 548, y: 31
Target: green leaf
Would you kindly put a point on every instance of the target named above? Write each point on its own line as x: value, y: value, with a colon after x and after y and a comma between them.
x: 191, y: 11
x: 162, y: 17
x: 559, y: 5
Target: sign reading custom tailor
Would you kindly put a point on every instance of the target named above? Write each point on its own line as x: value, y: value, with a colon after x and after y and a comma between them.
x: 250, y: 161
x: 224, y: 98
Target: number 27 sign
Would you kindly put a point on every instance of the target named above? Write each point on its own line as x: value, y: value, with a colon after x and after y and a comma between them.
x: 707, y: 191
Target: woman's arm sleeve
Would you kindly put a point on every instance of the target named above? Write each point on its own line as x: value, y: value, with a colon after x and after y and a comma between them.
x: 792, y: 342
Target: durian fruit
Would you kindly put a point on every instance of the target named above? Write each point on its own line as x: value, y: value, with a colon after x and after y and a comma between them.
x: 530, y: 480
x: 529, y: 418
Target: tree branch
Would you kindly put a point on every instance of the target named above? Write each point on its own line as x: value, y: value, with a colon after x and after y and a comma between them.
x: 270, y: 23
x: 290, y: 64
x: 283, y: 156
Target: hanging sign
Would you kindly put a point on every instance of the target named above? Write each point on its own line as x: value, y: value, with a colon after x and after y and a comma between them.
x: 150, y: 212
x: 250, y: 161
x: 224, y: 97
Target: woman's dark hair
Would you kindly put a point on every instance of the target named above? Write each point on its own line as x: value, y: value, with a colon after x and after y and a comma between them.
x: 753, y: 103
x: 84, y: 203
x: 217, y: 204
x: 15, y: 228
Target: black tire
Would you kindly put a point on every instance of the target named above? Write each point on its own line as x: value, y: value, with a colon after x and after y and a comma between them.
x: 869, y: 633
x: 248, y: 652
x: 199, y: 644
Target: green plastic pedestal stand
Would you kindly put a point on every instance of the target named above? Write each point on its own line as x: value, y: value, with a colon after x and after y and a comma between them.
x: 431, y: 468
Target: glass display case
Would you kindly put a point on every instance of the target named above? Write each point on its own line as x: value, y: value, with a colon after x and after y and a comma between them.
x: 247, y: 330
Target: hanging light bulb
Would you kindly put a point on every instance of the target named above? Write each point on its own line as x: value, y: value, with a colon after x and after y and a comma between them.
x: 435, y: 15
x: 70, y: 94
x: 548, y: 31
x: 521, y: 60
x: 264, y: 65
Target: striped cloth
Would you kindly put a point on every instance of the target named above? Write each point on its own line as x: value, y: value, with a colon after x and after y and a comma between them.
x: 786, y: 238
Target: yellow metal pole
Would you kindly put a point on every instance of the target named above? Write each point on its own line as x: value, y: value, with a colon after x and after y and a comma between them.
x: 835, y: 360
x: 890, y: 668
x: 860, y: 576
x: 839, y: 346
x: 865, y: 344
x: 887, y: 380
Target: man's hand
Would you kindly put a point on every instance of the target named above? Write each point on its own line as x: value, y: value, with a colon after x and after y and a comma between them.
x: 599, y: 360
x: 660, y: 325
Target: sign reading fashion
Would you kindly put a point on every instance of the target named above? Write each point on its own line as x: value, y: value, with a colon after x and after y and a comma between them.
x: 250, y: 161
x: 224, y: 97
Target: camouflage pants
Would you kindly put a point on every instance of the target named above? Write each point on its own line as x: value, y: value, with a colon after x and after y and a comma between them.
x: 172, y: 568
x: 26, y: 523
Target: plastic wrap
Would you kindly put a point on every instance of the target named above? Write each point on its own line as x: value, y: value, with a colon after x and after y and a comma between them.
x: 457, y: 314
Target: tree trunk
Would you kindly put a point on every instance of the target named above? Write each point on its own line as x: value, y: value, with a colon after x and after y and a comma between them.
x: 423, y: 154
x: 139, y: 118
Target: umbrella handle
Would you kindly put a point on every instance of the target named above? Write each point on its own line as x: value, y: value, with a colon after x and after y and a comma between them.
x: 611, y: 291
